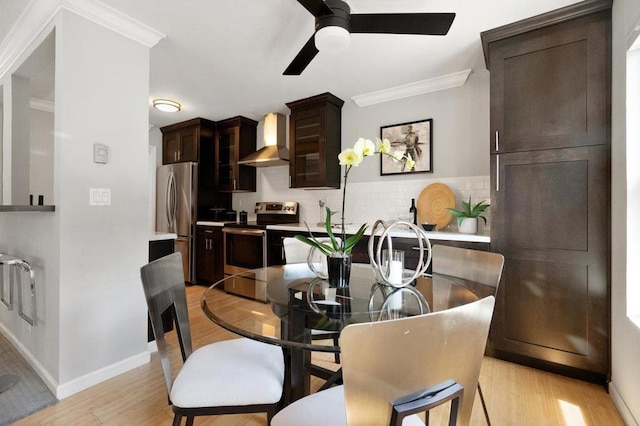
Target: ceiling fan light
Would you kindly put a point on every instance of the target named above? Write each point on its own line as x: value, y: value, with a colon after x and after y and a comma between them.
x: 332, y: 39
x: 166, y: 105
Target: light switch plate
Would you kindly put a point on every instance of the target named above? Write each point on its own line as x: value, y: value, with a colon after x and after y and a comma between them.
x: 99, y: 196
x: 100, y: 153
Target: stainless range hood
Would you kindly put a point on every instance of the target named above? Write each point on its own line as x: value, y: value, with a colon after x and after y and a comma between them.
x: 275, y: 152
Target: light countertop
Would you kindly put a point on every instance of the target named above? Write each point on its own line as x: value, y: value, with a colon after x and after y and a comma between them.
x: 432, y: 235
x: 205, y: 223
x: 158, y: 236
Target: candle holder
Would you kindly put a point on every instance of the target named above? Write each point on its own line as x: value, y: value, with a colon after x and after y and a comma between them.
x: 385, y: 269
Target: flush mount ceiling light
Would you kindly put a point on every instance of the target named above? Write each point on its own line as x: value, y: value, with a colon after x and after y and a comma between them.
x: 166, y: 105
x: 332, y: 39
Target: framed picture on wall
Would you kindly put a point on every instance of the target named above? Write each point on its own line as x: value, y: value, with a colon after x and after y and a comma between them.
x: 414, y: 138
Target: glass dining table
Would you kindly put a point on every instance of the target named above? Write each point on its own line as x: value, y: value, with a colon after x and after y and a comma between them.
x: 299, y: 302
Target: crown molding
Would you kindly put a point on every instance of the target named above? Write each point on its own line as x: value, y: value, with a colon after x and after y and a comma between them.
x: 39, y: 14
x: 30, y: 24
x: 435, y: 84
x: 115, y: 20
x: 42, y: 105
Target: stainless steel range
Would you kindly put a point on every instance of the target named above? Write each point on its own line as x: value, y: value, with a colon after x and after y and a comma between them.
x: 245, y: 248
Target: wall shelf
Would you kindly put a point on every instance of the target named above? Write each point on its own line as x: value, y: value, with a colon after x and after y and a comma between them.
x: 27, y: 208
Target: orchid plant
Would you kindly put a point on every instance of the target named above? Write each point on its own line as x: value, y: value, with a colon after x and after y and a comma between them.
x: 350, y: 158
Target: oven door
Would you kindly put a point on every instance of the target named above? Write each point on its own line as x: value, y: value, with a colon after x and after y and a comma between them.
x: 245, y: 249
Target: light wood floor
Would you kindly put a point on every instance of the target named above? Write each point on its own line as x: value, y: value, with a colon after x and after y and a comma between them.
x: 515, y: 395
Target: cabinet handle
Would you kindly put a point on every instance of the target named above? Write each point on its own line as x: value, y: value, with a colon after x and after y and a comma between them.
x: 497, y: 141
x: 175, y: 156
x: 290, y: 181
x: 497, y: 173
x: 234, y: 184
x: 179, y: 155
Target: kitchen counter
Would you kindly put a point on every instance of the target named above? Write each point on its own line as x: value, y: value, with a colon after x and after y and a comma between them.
x: 432, y: 235
x: 206, y: 223
x: 158, y: 236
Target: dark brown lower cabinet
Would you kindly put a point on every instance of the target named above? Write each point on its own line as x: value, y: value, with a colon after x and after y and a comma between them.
x: 360, y: 253
x: 550, y: 220
x: 209, y: 255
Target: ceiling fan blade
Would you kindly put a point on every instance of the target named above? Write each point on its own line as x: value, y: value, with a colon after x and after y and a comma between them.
x: 316, y: 7
x: 303, y: 58
x: 402, y: 23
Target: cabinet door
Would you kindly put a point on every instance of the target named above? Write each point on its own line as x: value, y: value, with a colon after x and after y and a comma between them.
x: 170, y: 147
x: 209, y: 266
x: 307, y: 165
x: 189, y: 144
x: 227, y: 157
x: 549, y: 87
x: 550, y: 218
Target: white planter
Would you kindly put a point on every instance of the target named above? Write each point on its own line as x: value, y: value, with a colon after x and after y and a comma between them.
x: 469, y: 225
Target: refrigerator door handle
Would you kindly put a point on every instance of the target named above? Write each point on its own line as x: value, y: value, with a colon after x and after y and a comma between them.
x: 171, y: 202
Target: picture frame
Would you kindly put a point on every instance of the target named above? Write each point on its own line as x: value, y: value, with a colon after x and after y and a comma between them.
x: 414, y: 138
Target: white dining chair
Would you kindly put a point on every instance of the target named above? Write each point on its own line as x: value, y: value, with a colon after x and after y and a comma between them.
x: 427, y: 360
x: 296, y: 251
x: 474, y: 266
x: 228, y: 377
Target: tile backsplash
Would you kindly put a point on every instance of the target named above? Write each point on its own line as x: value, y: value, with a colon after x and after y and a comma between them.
x: 366, y: 201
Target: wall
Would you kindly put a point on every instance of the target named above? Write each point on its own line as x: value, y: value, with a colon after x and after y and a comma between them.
x: 102, y: 308
x: 35, y: 238
x: 625, y: 334
x: 41, y: 155
x: 460, y: 156
x: 92, y: 313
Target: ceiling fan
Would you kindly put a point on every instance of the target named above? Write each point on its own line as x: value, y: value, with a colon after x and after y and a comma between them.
x: 335, y: 23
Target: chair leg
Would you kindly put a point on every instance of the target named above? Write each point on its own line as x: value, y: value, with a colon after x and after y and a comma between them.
x: 484, y: 406
x: 177, y: 419
x: 337, y: 354
x: 336, y: 379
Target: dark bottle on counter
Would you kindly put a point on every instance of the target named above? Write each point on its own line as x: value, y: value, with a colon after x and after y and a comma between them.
x: 414, y: 211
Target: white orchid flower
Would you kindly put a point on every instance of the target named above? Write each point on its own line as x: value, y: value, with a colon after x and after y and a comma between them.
x: 364, y: 147
x: 350, y: 157
x: 410, y: 163
x: 384, y: 146
x: 398, y: 155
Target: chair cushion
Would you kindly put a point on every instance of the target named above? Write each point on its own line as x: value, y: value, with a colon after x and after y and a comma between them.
x: 232, y: 372
x: 321, y: 409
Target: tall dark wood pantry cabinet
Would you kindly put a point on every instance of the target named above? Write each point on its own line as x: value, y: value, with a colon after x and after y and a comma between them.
x: 550, y: 171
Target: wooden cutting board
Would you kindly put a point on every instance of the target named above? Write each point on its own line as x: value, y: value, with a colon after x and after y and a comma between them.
x: 432, y: 204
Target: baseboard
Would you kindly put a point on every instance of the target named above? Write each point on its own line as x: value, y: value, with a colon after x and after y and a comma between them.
x: 84, y: 382
x: 624, y: 411
x: 46, y: 378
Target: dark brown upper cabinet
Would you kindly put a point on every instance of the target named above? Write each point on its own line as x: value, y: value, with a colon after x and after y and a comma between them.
x: 315, y: 142
x: 550, y: 198
x: 183, y: 141
x: 235, y: 139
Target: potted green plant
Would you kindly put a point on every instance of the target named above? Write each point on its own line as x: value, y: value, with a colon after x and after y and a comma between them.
x: 467, y: 217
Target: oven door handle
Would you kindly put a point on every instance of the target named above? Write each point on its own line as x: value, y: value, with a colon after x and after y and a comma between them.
x: 238, y: 231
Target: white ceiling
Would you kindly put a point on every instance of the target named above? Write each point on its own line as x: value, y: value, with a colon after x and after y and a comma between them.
x: 222, y: 58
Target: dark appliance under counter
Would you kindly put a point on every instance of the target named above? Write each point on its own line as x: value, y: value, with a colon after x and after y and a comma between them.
x: 245, y: 248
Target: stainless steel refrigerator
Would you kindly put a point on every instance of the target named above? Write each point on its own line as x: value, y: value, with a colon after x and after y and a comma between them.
x: 176, y: 207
